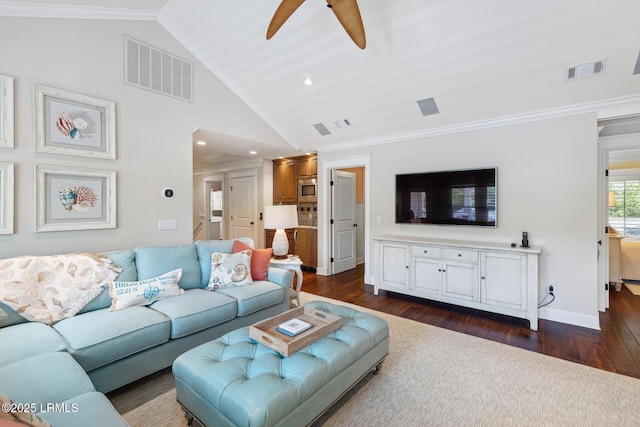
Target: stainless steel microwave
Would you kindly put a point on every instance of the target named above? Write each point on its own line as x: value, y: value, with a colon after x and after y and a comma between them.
x: 307, y: 190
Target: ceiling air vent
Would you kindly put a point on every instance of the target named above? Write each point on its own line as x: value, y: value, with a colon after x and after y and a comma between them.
x: 322, y: 129
x: 156, y: 70
x: 588, y: 69
x: 342, y: 123
x: 428, y: 106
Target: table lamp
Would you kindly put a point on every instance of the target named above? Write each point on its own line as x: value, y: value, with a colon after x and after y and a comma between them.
x: 278, y: 218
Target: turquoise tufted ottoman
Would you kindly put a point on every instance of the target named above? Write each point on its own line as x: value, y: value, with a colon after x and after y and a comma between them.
x: 236, y: 381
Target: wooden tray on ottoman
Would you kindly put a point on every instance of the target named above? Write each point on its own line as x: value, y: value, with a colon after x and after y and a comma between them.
x: 323, y: 324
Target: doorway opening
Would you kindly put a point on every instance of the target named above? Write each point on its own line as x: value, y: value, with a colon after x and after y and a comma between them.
x: 619, y: 162
x: 360, y: 167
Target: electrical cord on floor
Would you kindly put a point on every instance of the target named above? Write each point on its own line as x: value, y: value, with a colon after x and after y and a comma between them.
x: 553, y: 297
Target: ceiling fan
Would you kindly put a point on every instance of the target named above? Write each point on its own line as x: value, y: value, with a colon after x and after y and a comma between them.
x: 346, y: 11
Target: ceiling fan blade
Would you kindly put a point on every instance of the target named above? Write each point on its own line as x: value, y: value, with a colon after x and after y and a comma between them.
x: 284, y: 11
x: 348, y: 14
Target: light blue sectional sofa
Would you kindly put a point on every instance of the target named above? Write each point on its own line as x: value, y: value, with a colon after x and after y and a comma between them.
x: 73, y: 362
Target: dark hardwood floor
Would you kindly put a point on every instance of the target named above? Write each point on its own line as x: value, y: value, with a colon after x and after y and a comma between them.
x: 615, y: 348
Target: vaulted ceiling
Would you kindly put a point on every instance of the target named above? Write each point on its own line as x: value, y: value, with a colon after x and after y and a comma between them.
x: 481, y: 62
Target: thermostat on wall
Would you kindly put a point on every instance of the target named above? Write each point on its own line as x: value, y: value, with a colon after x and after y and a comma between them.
x: 167, y: 193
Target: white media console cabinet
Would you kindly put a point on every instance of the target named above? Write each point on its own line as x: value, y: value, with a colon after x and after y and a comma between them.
x: 487, y: 276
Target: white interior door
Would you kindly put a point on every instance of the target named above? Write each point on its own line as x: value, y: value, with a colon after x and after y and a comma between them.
x: 243, y: 200
x: 343, y: 215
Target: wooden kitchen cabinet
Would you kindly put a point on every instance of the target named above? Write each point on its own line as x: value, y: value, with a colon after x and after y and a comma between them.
x: 307, y: 247
x: 285, y: 181
x: 308, y: 167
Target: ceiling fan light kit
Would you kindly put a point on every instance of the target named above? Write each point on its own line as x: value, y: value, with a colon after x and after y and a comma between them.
x: 346, y: 11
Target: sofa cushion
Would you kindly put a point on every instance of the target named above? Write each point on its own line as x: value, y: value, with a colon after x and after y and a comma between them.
x: 126, y: 260
x: 207, y: 247
x: 228, y: 270
x: 144, y: 292
x: 196, y: 310
x: 102, y: 336
x: 8, y: 316
x: 253, y: 298
x: 44, y: 378
x: 152, y: 261
x: 88, y: 409
x: 260, y: 259
x: 28, y: 339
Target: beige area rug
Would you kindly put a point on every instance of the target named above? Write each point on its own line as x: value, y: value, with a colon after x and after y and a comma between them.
x: 438, y: 377
x: 635, y: 289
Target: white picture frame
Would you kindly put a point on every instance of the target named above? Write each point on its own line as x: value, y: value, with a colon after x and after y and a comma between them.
x: 73, y: 124
x: 6, y: 198
x: 6, y: 112
x: 74, y: 198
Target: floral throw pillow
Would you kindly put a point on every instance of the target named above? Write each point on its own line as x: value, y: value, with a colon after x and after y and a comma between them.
x: 144, y: 292
x: 229, y: 270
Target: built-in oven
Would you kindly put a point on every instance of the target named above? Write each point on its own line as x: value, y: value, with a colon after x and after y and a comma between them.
x: 307, y: 190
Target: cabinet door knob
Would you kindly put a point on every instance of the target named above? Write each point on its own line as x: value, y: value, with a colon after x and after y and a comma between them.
x: 482, y: 277
x: 459, y: 254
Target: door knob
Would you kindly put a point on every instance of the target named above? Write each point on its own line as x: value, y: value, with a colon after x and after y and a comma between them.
x: 251, y: 223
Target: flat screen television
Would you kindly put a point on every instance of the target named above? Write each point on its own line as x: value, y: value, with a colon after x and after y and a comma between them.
x: 456, y: 197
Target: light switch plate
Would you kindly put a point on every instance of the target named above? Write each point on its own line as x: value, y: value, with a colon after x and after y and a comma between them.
x: 167, y: 224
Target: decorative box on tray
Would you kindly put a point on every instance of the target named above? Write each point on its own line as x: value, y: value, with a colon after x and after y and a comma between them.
x: 266, y: 332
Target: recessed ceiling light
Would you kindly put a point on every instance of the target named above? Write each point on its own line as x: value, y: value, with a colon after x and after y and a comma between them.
x: 253, y: 152
x: 308, y: 81
x: 201, y: 143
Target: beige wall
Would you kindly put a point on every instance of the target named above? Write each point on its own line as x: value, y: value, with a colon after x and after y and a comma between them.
x: 154, y: 132
x: 547, y: 177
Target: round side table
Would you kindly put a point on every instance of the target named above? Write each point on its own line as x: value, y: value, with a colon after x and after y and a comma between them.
x: 292, y: 263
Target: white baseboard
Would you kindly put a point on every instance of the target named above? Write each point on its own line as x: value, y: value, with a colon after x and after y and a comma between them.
x: 570, y: 317
x: 322, y: 271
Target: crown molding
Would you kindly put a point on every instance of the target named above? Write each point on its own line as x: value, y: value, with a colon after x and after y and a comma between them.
x: 604, y: 109
x: 40, y: 10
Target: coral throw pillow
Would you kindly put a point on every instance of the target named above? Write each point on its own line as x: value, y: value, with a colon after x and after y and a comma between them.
x: 259, y: 259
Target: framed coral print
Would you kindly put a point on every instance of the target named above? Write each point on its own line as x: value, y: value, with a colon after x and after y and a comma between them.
x: 73, y: 124
x: 6, y: 198
x: 74, y: 198
x: 6, y: 111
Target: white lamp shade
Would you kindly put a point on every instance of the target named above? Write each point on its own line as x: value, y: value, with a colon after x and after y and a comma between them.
x: 280, y: 217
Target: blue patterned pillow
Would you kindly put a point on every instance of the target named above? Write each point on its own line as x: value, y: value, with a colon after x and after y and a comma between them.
x: 144, y: 292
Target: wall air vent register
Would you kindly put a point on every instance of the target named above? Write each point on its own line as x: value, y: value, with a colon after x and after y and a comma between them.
x: 153, y: 69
